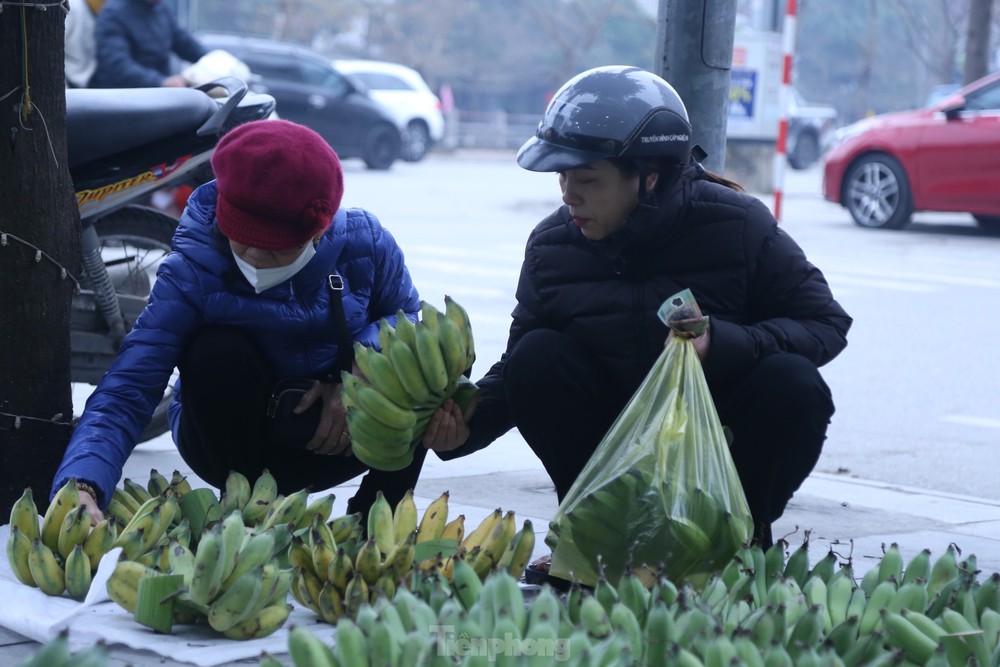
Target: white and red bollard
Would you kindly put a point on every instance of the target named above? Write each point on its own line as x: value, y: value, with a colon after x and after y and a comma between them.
x: 781, y: 153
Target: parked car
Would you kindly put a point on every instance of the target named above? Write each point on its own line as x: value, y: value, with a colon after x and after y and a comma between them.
x: 407, y: 98
x: 310, y: 91
x: 810, y: 131
x: 942, y: 158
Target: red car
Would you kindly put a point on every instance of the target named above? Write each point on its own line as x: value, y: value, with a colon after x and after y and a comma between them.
x: 942, y: 158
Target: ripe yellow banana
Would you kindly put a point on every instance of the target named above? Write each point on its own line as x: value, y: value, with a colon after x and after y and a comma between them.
x: 378, y: 370
x: 407, y: 368
x: 380, y: 524
x: 404, y: 517
x: 265, y: 490
x: 78, y: 574
x: 368, y: 561
x: 321, y: 555
x: 454, y: 529
x: 262, y: 623
x: 66, y: 498
x: 434, y: 519
x: 359, y: 394
x: 340, y: 570
x: 18, y: 549
x: 345, y: 527
x: 519, y: 551
x: 100, y: 539
x: 399, y: 560
x: 24, y: 515
x: 46, y: 572
x: 330, y: 603
x: 483, y: 530
x: 428, y: 351
x: 74, y: 530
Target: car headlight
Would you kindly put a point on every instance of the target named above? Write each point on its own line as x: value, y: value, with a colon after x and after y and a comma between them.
x: 842, y: 134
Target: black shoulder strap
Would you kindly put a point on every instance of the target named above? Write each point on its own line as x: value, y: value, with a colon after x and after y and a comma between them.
x: 344, y: 341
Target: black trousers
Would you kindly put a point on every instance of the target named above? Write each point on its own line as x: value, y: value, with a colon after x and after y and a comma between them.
x: 226, y: 383
x: 779, y: 413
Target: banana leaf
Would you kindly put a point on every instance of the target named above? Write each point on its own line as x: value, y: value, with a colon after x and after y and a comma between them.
x: 661, y: 490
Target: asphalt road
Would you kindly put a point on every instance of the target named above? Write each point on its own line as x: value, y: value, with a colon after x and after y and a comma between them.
x: 916, y: 390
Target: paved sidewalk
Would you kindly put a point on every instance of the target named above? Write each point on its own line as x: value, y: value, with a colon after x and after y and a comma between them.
x: 852, y: 516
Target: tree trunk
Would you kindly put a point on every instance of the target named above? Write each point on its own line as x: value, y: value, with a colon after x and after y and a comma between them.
x: 977, y: 41
x: 39, y: 254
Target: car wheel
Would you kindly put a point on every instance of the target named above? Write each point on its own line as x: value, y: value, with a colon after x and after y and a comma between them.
x: 416, y: 142
x: 877, y: 193
x: 990, y: 223
x: 805, y: 152
x: 382, y: 147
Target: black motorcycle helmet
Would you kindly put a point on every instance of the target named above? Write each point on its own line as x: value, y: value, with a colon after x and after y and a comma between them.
x: 609, y: 112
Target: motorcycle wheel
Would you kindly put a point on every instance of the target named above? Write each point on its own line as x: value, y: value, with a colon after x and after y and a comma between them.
x: 134, y: 240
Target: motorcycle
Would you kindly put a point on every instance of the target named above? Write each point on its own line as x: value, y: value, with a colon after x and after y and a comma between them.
x: 124, y: 145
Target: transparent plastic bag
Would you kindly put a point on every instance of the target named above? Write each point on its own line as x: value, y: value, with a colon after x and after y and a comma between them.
x: 661, y: 490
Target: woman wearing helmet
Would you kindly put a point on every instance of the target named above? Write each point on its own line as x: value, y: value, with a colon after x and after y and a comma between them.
x: 641, y: 221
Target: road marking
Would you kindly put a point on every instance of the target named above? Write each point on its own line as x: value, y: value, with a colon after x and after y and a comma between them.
x: 967, y: 420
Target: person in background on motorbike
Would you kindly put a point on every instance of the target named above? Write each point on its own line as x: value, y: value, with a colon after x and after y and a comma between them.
x: 135, y: 40
x: 641, y: 221
x: 81, y: 47
x: 241, y: 302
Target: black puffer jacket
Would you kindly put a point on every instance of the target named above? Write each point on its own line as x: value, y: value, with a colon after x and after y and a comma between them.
x: 746, y: 273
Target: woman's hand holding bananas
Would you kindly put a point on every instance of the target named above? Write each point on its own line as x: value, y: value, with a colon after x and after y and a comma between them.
x: 86, y: 499
x: 331, y: 436
x: 447, y: 429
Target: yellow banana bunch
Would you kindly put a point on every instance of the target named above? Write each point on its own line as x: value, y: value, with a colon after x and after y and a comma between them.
x: 60, y: 553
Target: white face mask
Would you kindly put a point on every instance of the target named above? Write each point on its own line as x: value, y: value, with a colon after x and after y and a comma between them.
x: 262, y: 279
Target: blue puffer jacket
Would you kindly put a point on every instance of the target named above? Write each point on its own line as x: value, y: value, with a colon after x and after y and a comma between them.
x: 199, y: 284
x: 135, y: 39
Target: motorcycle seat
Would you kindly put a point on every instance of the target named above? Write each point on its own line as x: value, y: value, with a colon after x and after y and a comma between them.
x: 102, y: 122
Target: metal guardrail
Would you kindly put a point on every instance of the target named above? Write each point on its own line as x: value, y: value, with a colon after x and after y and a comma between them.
x: 497, y: 129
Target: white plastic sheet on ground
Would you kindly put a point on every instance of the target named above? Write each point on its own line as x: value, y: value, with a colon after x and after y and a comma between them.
x: 29, y: 612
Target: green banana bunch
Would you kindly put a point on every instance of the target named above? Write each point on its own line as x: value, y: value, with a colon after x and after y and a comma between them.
x: 418, y: 368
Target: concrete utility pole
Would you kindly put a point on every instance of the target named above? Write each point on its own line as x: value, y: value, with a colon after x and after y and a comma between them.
x: 695, y: 53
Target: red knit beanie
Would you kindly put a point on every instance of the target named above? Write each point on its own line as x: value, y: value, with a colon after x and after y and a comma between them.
x: 279, y: 184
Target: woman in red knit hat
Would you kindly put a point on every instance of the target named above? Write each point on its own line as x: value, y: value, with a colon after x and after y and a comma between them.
x: 269, y: 279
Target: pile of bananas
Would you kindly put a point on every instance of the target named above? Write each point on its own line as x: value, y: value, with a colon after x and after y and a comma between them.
x: 232, y: 581
x: 694, y: 538
x: 335, y: 577
x: 761, y: 608
x: 406, y: 629
x: 419, y: 367
x: 61, y: 553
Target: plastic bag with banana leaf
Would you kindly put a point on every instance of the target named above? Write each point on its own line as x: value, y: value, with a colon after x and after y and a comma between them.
x: 661, y: 490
